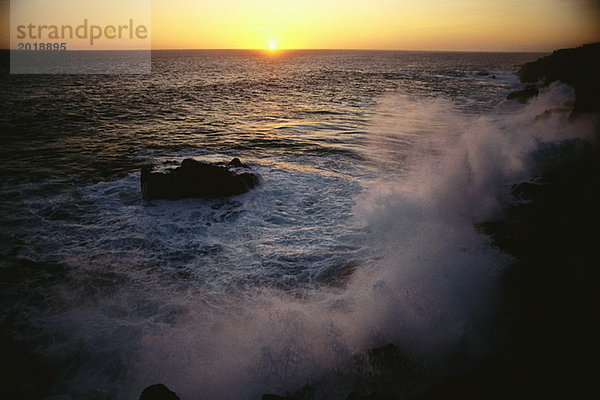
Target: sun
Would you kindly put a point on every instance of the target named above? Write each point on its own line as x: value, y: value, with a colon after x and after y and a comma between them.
x: 272, y: 45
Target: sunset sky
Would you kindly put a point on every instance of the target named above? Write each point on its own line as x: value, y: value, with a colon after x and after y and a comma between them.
x: 500, y: 25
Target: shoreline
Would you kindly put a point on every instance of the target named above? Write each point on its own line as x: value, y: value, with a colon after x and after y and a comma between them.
x: 542, y: 327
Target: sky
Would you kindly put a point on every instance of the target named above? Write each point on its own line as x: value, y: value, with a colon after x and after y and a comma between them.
x: 463, y: 25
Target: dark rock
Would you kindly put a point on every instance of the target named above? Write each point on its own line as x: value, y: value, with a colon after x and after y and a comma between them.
x: 522, y: 96
x: 381, y: 373
x: 384, y: 369
x: 576, y: 67
x: 525, y: 191
x: 236, y: 163
x: 198, y: 179
x: 486, y: 381
x: 551, y: 290
x: 158, y: 392
x: 391, y: 362
x: 26, y: 374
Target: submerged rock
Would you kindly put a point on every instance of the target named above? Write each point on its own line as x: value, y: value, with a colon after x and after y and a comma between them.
x: 158, y: 392
x: 198, y: 179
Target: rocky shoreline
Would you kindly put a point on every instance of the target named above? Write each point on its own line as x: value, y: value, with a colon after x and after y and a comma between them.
x: 578, y: 67
x: 543, y: 329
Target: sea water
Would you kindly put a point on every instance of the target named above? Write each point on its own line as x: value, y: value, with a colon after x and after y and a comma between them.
x: 376, y: 167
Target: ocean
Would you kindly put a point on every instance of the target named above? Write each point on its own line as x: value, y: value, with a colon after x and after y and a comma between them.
x: 376, y: 167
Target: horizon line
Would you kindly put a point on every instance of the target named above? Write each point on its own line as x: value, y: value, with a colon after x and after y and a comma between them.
x: 305, y: 49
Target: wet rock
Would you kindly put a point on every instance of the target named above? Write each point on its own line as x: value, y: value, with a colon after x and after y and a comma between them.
x: 196, y: 179
x: 523, y: 96
x: 380, y: 373
x: 384, y: 373
x: 486, y: 381
x: 237, y: 163
x: 576, y: 67
x: 526, y: 191
x: 391, y: 362
x: 550, y: 290
x: 158, y: 392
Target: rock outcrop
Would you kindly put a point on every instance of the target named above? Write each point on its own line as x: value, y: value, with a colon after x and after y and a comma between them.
x: 380, y: 373
x: 522, y: 96
x: 577, y: 67
x: 158, y: 392
x: 198, y: 179
x: 550, y: 290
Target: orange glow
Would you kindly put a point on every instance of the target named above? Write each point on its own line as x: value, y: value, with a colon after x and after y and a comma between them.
x: 499, y: 25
